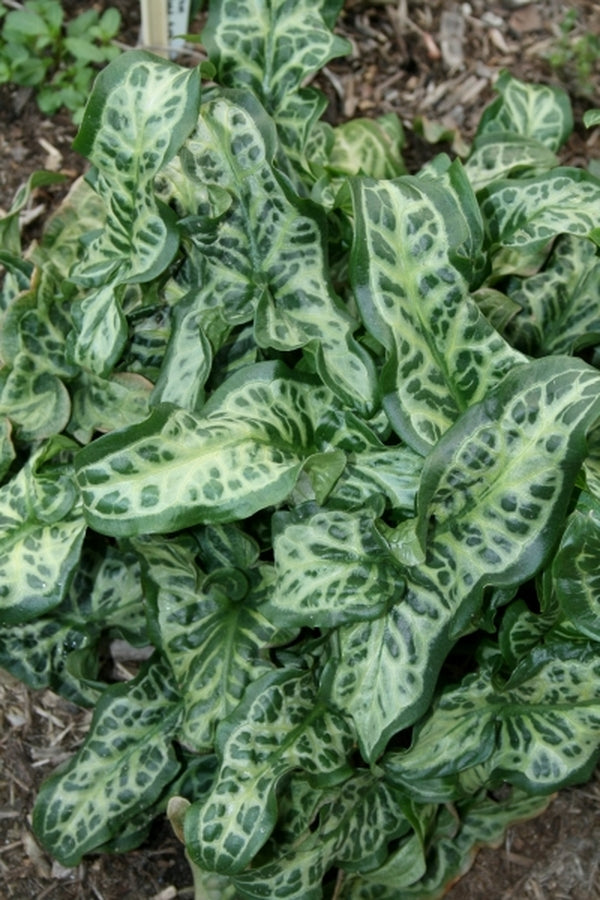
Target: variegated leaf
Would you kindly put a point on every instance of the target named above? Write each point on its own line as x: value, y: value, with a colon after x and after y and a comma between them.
x: 538, y: 111
x: 121, y: 769
x: 37, y: 324
x: 575, y: 570
x: 501, y: 154
x: 497, y: 483
x: 41, y: 533
x: 282, y: 725
x: 352, y: 829
x: 443, y: 355
x: 459, y: 833
x: 215, y: 641
x: 540, y: 731
x: 521, y: 630
x: 224, y: 546
x: 36, y: 402
x: 100, y: 332
x: 177, y: 469
x: 187, y: 361
x: 105, y: 404
x: 265, y: 256
x: 370, y: 147
x: 141, y: 110
x: 332, y: 567
x: 272, y: 49
x: 522, y: 217
x: 40, y: 654
x: 60, y: 245
x: 559, y: 309
x: 115, y: 599
x: 7, y: 450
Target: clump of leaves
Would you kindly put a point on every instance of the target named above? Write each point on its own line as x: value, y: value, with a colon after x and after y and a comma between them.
x: 58, y: 59
x: 320, y: 439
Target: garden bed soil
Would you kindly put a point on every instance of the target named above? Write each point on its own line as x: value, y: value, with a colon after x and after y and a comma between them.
x: 432, y: 61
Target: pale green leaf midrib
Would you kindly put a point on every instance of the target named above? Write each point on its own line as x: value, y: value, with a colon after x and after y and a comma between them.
x: 184, y: 463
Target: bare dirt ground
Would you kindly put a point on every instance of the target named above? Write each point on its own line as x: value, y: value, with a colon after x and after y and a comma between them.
x: 433, y: 61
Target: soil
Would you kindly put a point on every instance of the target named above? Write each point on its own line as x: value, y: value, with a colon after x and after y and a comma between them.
x: 430, y: 62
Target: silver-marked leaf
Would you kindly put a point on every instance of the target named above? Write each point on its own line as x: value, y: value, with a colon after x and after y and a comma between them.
x: 331, y: 567
x: 177, y: 469
x: 121, y: 769
x: 559, y: 310
x: 36, y: 402
x: 500, y: 154
x: 115, y: 600
x: 225, y: 546
x: 497, y: 483
x: 60, y: 245
x: 391, y: 471
x: 272, y: 49
x: 387, y: 668
x: 39, y: 654
x: 7, y: 450
x: 38, y: 323
x: 105, y: 404
x: 501, y: 478
x: 215, y: 642
x: 523, y: 216
x: 521, y: 630
x: 264, y: 258
x: 370, y: 147
x: 187, y: 361
x: 538, y: 111
x: 576, y: 571
x: 540, y: 731
x: 41, y: 532
x: 455, y: 840
x: 140, y: 111
x: 352, y: 830
x: 100, y: 332
x: 282, y: 725
x: 443, y: 355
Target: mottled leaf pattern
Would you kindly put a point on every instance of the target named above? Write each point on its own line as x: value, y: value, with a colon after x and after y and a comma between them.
x: 40, y: 654
x: 539, y: 731
x: 124, y: 764
x: 214, y: 640
x: 496, y: 483
x: 36, y: 402
x: 442, y: 353
x: 272, y: 49
x: 368, y: 147
x: 331, y: 567
x: 176, y: 469
x: 264, y: 257
x: 526, y: 215
x: 41, y: 532
x: 104, y: 404
x: 538, y: 111
x: 502, y: 155
x: 333, y: 463
x: 575, y: 569
x: 558, y: 307
x: 282, y: 725
x: 126, y: 132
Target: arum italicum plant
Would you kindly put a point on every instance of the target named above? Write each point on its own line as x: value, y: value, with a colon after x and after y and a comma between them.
x: 320, y: 437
